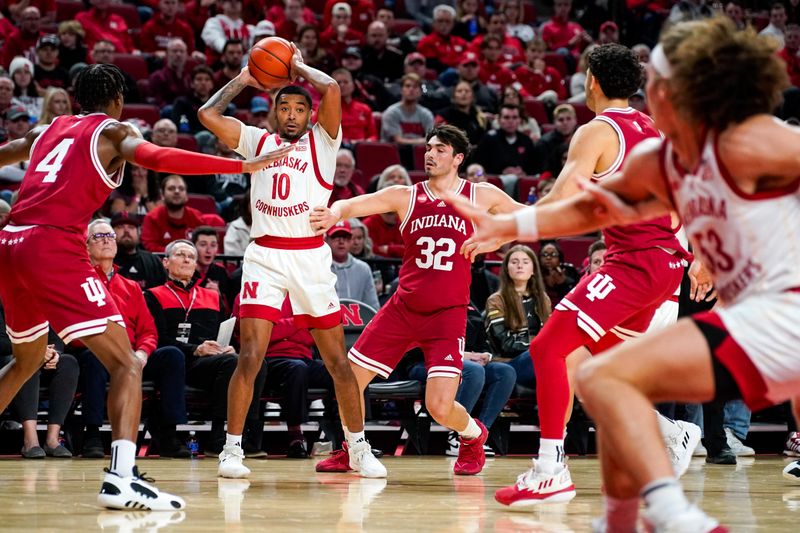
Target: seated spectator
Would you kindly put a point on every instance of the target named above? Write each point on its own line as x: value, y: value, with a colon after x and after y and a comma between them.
x: 641, y: 51
x: 290, y: 18
x: 577, y: 83
x: 187, y: 105
x: 188, y: 317
x: 441, y: 49
x: 102, y: 53
x: 435, y: 96
x: 131, y: 261
x: 223, y: 187
x: 562, y: 35
x: 237, y: 236
x: 60, y: 373
x: 507, y: 150
x: 173, y: 220
x: 527, y: 125
x: 597, y: 255
x: 361, y: 14
x: 224, y: 27
x: 609, y: 33
x: 6, y: 102
x: 463, y: 113
x: 511, y: 50
x: 361, y: 246
x: 165, y: 133
x: 381, y: 59
x: 492, y: 71
x: 164, y: 366
x: 17, y: 124
x: 54, y: 104
x: 559, y: 277
x: 102, y: 25
x: 339, y: 35
x: 686, y: 10
x: 476, y: 173
x: 210, y: 274
x: 392, y: 175
x: 46, y: 7
x: 516, y: 313
x: 469, y: 70
x: 48, y: 71
x: 173, y: 79
x: 407, y: 122
x: 565, y: 121
x: 259, y: 113
x: 384, y: 228
x: 25, y: 92
x: 790, y: 53
x: 515, y: 16
x: 469, y: 21
x: 343, y: 186
x: 353, y: 276
x: 232, y: 56
x: 537, y: 78
x: 138, y: 194
x: 22, y: 41
x: 313, y: 54
x: 72, y: 49
x: 735, y: 12
x: 164, y: 27
x: 357, y: 121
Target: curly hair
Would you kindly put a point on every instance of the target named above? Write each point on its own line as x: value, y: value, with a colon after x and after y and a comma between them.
x: 720, y: 75
x: 97, y: 86
x: 616, y: 69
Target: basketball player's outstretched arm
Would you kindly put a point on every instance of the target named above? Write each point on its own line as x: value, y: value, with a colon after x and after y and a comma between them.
x: 392, y: 199
x: 329, y: 114
x: 638, y: 193
x: 494, y: 201
x: 19, y: 149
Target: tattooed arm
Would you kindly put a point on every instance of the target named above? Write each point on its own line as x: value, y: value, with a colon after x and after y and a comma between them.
x: 227, y: 129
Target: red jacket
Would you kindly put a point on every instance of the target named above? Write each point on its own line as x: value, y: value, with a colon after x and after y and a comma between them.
x: 127, y: 294
x: 286, y: 339
x: 329, y: 40
x: 357, y: 122
x: 386, y: 240
x: 343, y: 193
x: 512, y: 49
x: 363, y: 13
x: 110, y: 27
x: 159, y: 229
x: 448, y: 50
x: 156, y: 34
x: 495, y: 76
x: 792, y: 61
x: 535, y: 83
x: 18, y: 44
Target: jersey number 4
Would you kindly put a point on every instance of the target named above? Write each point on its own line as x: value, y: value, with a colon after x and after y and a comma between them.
x: 51, y: 163
x: 435, y: 252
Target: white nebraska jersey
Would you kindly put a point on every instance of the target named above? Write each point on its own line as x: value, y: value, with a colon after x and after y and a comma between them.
x: 283, y: 194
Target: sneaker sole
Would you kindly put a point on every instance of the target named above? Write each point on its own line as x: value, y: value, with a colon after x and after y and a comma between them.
x: 790, y: 453
x: 694, y: 437
x: 231, y: 475
x: 561, y: 497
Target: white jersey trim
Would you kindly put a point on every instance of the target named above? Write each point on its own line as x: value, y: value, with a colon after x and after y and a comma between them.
x: 29, y: 335
x: 15, y: 229
x: 620, y: 154
x: 108, y: 179
x: 411, y: 202
x: 370, y: 364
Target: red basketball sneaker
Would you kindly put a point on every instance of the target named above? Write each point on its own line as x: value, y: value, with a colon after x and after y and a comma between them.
x: 471, y: 456
x: 533, y: 488
x: 339, y: 461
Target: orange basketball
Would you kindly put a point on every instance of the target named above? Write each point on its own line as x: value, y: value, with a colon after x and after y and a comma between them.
x: 270, y: 61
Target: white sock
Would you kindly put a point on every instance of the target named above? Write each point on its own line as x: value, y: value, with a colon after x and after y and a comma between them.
x: 551, y: 455
x: 667, y: 426
x: 664, y: 498
x: 123, y: 457
x: 233, y: 440
x: 621, y: 514
x: 355, y: 437
x: 472, y: 431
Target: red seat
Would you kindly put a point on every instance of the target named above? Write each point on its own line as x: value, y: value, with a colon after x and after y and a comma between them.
x: 419, y: 157
x: 144, y: 88
x: 127, y: 12
x: 529, y: 8
x: 524, y: 188
x: 372, y: 157
x: 221, y: 239
x: 536, y: 110
x: 556, y: 60
x: 186, y: 141
x: 575, y: 249
x: 133, y: 65
x: 147, y: 112
x: 67, y: 9
x: 583, y: 113
x: 496, y: 181
x: 203, y: 202
x: 377, y: 116
x: 401, y: 26
x: 243, y: 115
x: 417, y: 176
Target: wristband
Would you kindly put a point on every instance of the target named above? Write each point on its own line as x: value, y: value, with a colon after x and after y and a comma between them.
x: 527, y: 229
x: 176, y: 161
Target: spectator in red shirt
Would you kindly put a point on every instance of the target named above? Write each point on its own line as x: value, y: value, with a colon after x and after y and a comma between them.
x: 791, y: 53
x: 492, y: 73
x: 564, y: 36
x: 357, y: 121
x: 232, y: 54
x: 289, y: 19
x: 339, y: 35
x: 173, y: 79
x: 384, y: 229
x: 100, y: 24
x: 609, y: 33
x: 440, y: 48
x: 536, y: 76
x: 22, y: 41
x: 165, y: 26
x: 47, y: 8
x: 343, y: 186
x: 511, y: 47
x: 362, y: 12
x: 171, y: 221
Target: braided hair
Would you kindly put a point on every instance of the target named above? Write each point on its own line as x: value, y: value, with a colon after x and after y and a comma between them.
x: 97, y: 86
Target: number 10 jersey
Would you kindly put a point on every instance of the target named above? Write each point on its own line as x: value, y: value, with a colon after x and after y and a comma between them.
x: 434, y: 274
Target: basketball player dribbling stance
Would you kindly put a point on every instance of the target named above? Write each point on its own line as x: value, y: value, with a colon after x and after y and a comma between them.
x: 46, y: 279
x: 643, y: 268
x: 429, y: 309
x: 730, y: 170
x: 285, y: 255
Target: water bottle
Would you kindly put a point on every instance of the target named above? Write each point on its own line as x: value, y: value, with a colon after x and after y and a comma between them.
x: 183, y: 127
x: 192, y: 444
x: 532, y: 196
x: 472, y: 27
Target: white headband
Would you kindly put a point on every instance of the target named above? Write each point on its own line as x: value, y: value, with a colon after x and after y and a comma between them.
x: 660, y: 63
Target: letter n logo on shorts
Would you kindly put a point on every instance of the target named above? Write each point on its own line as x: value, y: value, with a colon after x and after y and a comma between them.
x: 250, y: 290
x: 351, y: 315
x: 599, y: 287
x: 94, y: 291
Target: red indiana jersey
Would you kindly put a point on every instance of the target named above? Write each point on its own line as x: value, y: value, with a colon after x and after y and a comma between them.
x: 434, y: 275
x: 633, y: 127
x: 65, y: 182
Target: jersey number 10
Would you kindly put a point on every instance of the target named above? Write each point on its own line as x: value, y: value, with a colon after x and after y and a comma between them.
x: 280, y: 186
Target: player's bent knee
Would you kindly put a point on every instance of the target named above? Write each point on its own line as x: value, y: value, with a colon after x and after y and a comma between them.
x: 588, y: 375
x: 439, y: 408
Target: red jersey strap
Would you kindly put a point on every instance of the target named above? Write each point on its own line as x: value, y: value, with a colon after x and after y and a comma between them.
x: 176, y: 161
x: 290, y: 243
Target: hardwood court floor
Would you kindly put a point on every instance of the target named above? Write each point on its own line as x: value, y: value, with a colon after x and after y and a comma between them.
x: 421, y: 494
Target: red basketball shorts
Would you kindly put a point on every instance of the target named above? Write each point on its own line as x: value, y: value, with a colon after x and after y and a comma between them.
x: 396, y: 329
x: 617, y: 302
x: 46, y: 280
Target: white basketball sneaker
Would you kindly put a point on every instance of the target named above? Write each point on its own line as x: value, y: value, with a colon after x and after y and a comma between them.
x: 363, y: 462
x: 792, y: 445
x: 691, y: 520
x: 737, y: 446
x: 681, y: 446
x: 533, y: 488
x: 230, y: 463
x: 792, y: 472
x: 136, y: 492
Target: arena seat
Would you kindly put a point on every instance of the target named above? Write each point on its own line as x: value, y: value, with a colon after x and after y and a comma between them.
x: 373, y: 156
x: 575, y: 249
x: 536, y: 110
x: 186, y: 141
x: 401, y: 26
x: 583, y: 113
x: 557, y: 61
x: 524, y: 186
x: 67, y: 9
x: 203, y: 202
x: 147, y: 112
x: 133, y: 65
x: 127, y: 12
x: 419, y: 157
x: 417, y: 175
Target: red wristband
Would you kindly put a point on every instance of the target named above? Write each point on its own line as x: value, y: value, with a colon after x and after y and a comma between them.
x: 176, y: 161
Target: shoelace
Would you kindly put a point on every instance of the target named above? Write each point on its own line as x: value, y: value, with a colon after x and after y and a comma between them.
x: 526, y: 477
x: 236, y: 452
x: 136, y: 474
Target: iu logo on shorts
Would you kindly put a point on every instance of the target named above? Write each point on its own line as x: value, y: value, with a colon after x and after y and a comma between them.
x: 94, y: 291
x: 599, y: 287
x: 250, y: 290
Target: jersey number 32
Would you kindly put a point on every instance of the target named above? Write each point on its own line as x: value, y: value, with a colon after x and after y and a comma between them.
x: 434, y: 253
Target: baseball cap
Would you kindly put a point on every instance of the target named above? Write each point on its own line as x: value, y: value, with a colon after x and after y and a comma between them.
x: 469, y: 58
x: 48, y: 40
x: 352, y: 51
x: 343, y: 226
x: 259, y: 105
x: 17, y: 112
x: 265, y: 28
x: 414, y: 56
x: 609, y: 25
x: 123, y: 217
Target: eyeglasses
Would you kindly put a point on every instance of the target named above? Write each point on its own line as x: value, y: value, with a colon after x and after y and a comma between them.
x: 184, y: 255
x: 548, y: 255
x: 97, y: 237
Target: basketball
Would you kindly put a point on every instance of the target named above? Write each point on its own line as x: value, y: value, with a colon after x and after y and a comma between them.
x: 270, y: 62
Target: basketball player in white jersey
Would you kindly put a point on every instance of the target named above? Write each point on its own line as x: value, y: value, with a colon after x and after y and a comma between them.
x: 730, y: 170
x: 285, y: 255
